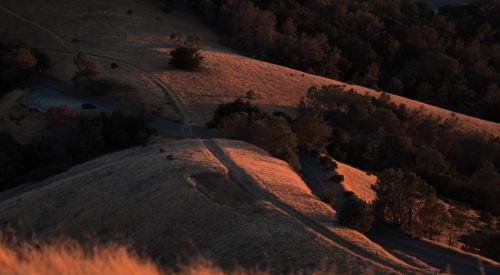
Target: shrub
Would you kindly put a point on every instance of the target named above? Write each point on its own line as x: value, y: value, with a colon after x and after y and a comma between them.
x: 186, y: 58
x: 356, y: 214
x: 26, y: 59
x: 328, y: 162
x: 327, y: 196
x: 324, y: 160
x: 238, y: 106
x: 290, y: 156
x: 337, y: 178
x: 43, y: 60
x: 313, y: 132
x: 251, y: 94
x: 85, y: 68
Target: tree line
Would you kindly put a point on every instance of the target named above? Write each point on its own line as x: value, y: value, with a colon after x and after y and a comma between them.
x: 450, y: 58
x: 70, y: 139
x: 430, y: 172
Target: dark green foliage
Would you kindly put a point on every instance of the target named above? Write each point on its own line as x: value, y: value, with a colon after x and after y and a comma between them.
x: 313, y: 132
x: 290, y: 156
x: 270, y: 133
x: 337, y: 178
x: 238, y: 106
x: 450, y: 59
x: 71, y: 141
x: 356, y: 214
x: 406, y: 201
x: 328, y: 162
x: 375, y: 134
x: 243, y: 121
x: 43, y: 61
x: 486, y: 242
x: 186, y: 58
x: 327, y: 196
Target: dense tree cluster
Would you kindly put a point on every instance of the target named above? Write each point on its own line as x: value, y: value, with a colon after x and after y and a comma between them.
x: 450, y: 58
x: 70, y: 140
x: 356, y: 214
x: 375, y: 135
x: 406, y: 201
x: 279, y: 134
x: 187, y: 55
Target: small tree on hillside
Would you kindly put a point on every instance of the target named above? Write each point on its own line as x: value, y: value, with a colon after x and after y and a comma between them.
x: 186, y: 58
x: 85, y: 68
x: 26, y: 59
x: 356, y: 214
x: 43, y: 61
x: 238, y: 106
x: 313, y: 132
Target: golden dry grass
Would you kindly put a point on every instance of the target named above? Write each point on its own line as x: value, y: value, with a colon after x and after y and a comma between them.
x: 276, y: 177
x: 69, y: 258
x: 181, y: 206
x: 358, y: 182
x: 142, y: 39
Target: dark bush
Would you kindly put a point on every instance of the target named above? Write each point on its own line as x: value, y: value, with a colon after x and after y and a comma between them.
x: 238, y: 106
x: 186, y: 58
x: 327, y: 196
x: 312, y: 131
x: 375, y: 134
x: 356, y: 214
x: 43, y: 60
x: 337, y: 178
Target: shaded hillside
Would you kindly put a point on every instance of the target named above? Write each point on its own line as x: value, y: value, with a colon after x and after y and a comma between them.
x: 195, y: 198
x: 142, y: 39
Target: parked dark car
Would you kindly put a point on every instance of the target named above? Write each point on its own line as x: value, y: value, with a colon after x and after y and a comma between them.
x: 88, y: 106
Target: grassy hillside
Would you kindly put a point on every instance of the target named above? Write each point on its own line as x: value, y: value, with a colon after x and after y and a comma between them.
x: 140, y: 43
x: 203, y: 200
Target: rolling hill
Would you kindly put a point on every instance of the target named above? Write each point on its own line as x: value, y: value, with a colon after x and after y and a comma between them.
x: 225, y: 200
x: 139, y: 42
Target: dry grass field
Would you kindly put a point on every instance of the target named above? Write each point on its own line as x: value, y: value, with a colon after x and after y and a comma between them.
x: 68, y: 257
x: 358, y: 182
x: 139, y: 42
x: 190, y: 204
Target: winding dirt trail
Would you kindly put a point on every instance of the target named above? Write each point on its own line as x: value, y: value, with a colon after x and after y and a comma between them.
x: 54, y: 35
x: 248, y: 184
x: 178, y: 105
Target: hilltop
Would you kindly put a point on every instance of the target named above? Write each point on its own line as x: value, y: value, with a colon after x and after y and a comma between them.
x: 224, y: 200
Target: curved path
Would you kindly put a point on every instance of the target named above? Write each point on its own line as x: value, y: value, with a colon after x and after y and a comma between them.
x: 247, y: 183
x: 179, y: 106
x: 26, y: 20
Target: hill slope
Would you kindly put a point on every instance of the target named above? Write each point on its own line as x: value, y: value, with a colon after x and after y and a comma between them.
x: 206, y: 200
x: 139, y: 42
